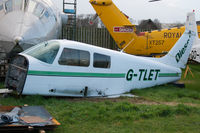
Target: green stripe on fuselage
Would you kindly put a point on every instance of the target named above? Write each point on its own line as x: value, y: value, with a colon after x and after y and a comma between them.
x: 98, y: 75
x: 169, y: 75
x: 76, y: 74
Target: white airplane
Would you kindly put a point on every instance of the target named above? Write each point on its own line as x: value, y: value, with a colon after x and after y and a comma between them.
x: 26, y: 23
x: 69, y: 68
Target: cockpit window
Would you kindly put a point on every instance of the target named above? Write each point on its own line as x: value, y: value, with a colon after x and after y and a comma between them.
x: 46, y: 14
x: 31, y: 6
x: 1, y: 10
x: 38, y: 10
x: 45, y: 52
x: 45, y: 17
x: 18, y: 4
x: 25, y: 4
x: 1, y: 7
x: 9, y: 5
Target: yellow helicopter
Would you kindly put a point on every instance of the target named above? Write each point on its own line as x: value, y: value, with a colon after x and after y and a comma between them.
x: 155, y: 43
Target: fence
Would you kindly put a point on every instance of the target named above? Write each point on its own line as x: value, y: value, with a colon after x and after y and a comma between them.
x: 94, y: 36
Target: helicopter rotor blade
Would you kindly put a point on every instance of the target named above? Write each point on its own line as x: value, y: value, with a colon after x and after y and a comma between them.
x: 154, y: 0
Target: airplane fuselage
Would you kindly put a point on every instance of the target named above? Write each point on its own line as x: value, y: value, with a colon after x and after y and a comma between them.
x: 99, y: 72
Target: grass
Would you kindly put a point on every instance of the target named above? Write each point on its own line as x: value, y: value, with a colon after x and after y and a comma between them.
x: 122, y: 115
x: 169, y: 93
x: 107, y: 116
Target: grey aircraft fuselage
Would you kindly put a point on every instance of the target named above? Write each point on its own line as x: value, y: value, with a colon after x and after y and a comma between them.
x: 24, y: 23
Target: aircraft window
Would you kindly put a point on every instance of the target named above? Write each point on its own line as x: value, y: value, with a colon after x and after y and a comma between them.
x: 31, y: 6
x: 1, y: 7
x: 25, y: 4
x: 45, y: 52
x: 18, y: 4
x: 73, y: 57
x: 39, y: 10
x: 8, y: 5
x: 101, y: 61
x: 45, y: 17
x: 46, y: 14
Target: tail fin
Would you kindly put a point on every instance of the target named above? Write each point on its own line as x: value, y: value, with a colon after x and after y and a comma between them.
x: 115, y: 21
x: 178, y: 55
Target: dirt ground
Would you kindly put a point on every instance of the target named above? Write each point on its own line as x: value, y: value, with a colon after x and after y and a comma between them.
x: 135, y: 100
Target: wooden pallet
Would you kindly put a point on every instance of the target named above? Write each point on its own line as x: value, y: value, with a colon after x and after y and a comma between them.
x: 17, y: 127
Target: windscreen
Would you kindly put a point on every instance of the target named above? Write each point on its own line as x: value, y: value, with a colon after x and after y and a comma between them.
x: 11, y: 5
x: 45, y: 52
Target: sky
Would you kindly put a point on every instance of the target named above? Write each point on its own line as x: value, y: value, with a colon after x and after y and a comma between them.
x: 166, y: 11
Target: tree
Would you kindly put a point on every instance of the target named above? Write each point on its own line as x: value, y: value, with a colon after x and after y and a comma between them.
x: 89, y: 20
x: 158, y: 24
x: 149, y: 25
